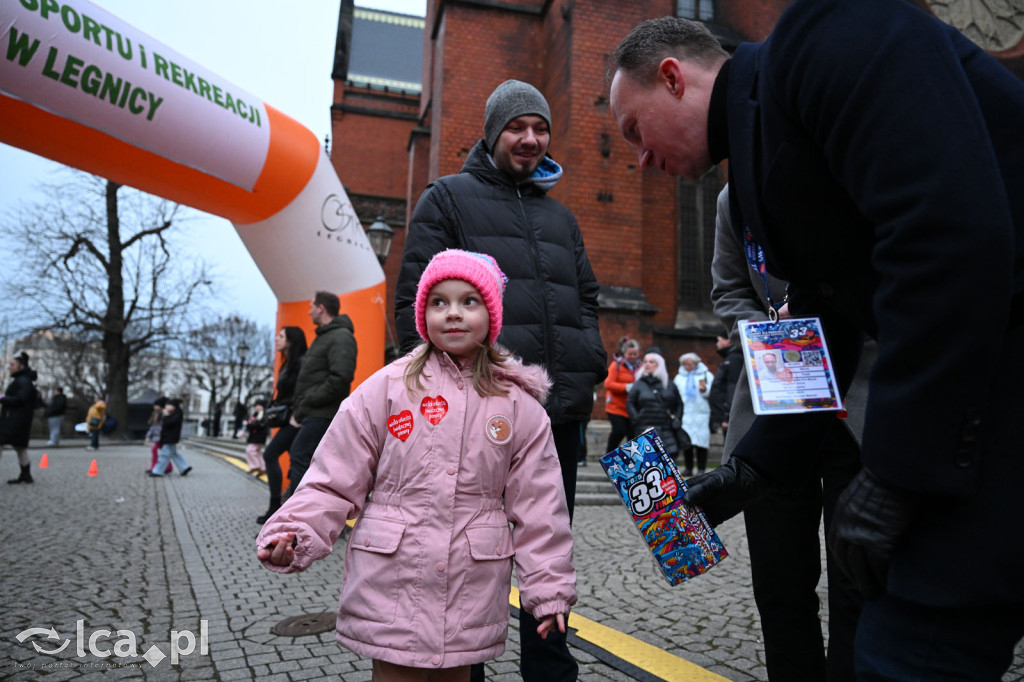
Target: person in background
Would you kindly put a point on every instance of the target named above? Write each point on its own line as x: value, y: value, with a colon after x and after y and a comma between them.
x: 694, y: 382
x: 16, y: 407
x: 782, y: 527
x: 238, y: 415
x: 155, y: 422
x: 215, y: 423
x: 94, y: 422
x: 621, y: 374
x: 170, y: 434
x: 454, y: 444
x: 54, y: 414
x: 255, y: 440
x: 723, y: 388
x: 290, y: 343
x: 324, y: 381
x: 654, y: 401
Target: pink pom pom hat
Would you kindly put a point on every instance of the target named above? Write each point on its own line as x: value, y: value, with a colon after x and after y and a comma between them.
x: 478, y: 269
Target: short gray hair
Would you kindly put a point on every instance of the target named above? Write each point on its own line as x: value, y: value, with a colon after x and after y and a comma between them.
x: 689, y: 356
x: 654, y: 40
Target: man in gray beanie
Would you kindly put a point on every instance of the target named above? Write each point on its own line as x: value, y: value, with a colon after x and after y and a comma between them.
x: 510, y: 100
x: 498, y: 204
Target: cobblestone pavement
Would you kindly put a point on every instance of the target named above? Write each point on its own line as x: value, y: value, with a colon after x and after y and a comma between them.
x: 154, y: 558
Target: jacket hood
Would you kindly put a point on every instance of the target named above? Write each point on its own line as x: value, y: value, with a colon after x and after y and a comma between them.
x: 481, y: 163
x: 342, y: 321
x: 533, y: 379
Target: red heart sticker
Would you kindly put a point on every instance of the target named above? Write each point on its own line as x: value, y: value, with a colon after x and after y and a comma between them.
x: 434, y: 409
x: 670, y: 487
x: 400, y: 425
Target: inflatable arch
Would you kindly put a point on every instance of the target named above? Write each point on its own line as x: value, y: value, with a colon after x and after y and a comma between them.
x: 80, y: 86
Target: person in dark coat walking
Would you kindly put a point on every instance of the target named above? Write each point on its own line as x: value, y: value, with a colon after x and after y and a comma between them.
x: 16, y: 407
x: 170, y: 434
x: 498, y: 204
x: 54, y: 414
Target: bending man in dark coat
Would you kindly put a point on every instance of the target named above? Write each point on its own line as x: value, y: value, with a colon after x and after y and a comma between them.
x: 876, y: 156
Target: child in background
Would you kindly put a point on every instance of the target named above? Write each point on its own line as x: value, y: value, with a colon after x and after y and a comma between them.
x: 454, y: 444
x: 256, y: 439
x: 156, y: 419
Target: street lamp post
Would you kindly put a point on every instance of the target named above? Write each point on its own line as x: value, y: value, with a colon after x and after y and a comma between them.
x: 380, y: 235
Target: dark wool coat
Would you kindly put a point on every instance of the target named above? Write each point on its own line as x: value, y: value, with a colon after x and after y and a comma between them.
x: 550, y: 303
x: 16, y: 407
x: 877, y: 156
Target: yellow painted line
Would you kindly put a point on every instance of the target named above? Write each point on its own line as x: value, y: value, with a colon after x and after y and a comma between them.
x: 631, y: 650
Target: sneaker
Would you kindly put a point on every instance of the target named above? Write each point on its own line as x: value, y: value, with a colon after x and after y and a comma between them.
x: 184, y: 472
x: 700, y: 471
x: 581, y: 463
x: 687, y: 473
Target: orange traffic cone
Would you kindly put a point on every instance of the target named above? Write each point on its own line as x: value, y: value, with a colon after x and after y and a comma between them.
x: 44, y: 463
x: 93, y: 469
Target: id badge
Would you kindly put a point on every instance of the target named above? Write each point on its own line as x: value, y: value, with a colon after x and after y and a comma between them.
x: 788, y: 366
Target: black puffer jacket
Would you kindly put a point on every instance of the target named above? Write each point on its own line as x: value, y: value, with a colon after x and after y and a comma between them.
x: 170, y: 427
x: 651, y: 404
x: 16, y: 407
x: 327, y: 370
x: 550, y: 303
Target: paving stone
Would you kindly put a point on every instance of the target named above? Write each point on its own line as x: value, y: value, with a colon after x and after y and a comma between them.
x: 123, y: 551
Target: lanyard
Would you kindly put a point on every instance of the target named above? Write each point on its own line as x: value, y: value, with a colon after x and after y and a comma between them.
x: 756, y: 259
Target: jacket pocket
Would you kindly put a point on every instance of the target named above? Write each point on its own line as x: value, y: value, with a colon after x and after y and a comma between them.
x: 485, y: 595
x: 371, y: 584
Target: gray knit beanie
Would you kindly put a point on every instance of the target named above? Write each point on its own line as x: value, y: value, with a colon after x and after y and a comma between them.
x: 510, y: 100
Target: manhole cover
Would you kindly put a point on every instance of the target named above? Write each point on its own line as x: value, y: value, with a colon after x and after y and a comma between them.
x: 306, y: 624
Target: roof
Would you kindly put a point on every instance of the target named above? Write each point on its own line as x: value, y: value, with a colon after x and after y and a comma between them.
x: 386, y: 50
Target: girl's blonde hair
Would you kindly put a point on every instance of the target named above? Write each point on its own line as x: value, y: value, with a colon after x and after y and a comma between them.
x: 484, y: 380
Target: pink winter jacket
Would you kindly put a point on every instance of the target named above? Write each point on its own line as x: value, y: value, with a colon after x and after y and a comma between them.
x: 429, y: 563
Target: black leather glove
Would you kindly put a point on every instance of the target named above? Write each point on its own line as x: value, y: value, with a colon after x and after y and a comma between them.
x: 723, y: 492
x: 870, y: 518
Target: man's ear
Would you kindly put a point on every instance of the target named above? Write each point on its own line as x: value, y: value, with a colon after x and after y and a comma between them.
x: 670, y: 75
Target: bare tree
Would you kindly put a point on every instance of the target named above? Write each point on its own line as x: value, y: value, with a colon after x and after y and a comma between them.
x: 214, y: 364
x: 97, y: 261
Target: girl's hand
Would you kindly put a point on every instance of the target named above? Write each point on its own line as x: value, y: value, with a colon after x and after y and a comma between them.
x: 548, y: 625
x: 280, y: 551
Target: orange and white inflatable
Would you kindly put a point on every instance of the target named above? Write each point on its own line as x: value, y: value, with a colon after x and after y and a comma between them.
x: 80, y: 86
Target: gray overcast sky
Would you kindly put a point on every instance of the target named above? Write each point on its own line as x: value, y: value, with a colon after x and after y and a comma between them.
x: 280, y: 52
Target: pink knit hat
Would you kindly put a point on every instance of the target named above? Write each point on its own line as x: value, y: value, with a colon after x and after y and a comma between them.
x: 478, y: 269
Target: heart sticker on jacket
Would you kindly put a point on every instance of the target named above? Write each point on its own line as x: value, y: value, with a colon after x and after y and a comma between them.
x: 400, y: 425
x: 434, y: 409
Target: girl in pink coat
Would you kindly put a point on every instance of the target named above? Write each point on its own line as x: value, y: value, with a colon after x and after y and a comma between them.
x: 454, y: 449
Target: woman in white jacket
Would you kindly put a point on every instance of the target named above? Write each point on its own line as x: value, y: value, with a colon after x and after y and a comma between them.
x: 694, y: 384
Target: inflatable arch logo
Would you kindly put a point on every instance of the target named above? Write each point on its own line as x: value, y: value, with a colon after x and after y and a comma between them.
x: 80, y: 86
